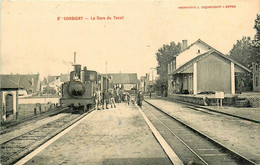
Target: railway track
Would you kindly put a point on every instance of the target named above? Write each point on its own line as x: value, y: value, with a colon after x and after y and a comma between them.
x: 192, y: 146
x: 18, y: 147
x: 205, y: 110
x: 8, y: 127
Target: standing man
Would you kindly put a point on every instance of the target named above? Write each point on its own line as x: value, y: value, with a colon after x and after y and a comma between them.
x: 113, y: 95
x: 97, y: 96
x: 140, y: 99
x: 127, y: 98
x: 106, y: 99
x: 121, y: 96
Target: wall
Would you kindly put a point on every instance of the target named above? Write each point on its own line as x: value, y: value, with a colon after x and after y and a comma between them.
x: 41, y: 100
x: 190, y: 53
x: 214, y: 74
x: 256, y: 77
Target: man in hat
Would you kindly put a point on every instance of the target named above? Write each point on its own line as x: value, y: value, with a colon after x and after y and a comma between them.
x: 97, y: 96
x: 140, y: 99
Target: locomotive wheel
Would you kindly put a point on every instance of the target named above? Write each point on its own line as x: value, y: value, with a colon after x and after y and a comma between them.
x: 81, y: 110
x: 89, y: 106
x: 71, y: 109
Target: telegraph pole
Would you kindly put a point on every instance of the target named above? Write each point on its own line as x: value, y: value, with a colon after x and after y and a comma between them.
x: 106, y: 76
x: 75, y: 57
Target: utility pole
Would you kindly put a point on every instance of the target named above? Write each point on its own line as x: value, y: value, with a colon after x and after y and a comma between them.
x: 106, y: 76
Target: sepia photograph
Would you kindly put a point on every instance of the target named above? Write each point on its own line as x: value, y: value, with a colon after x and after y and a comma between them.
x: 111, y: 82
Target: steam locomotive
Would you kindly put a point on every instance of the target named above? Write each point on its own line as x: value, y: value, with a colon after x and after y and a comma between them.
x: 78, y: 93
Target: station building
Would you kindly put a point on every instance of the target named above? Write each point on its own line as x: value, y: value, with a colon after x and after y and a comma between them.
x: 8, y: 98
x: 201, y: 68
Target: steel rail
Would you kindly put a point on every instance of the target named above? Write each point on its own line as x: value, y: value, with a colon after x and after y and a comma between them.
x: 42, y: 139
x: 196, y: 154
x: 45, y: 114
x: 212, y: 110
x: 239, y: 156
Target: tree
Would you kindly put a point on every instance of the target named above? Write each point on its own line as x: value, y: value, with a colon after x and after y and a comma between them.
x: 256, y: 41
x: 162, y: 55
x: 255, y: 44
x: 247, y: 51
x: 242, y: 52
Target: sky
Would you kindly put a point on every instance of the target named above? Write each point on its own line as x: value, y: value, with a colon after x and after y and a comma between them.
x: 33, y: 40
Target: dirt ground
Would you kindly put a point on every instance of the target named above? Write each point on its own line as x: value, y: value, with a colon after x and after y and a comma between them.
x: 113, y: 136
x: 239, y: 135
x: 21, y: 128
x: 246, y: 112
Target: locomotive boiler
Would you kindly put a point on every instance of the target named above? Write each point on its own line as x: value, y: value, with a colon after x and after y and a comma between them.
x: 78, y: 93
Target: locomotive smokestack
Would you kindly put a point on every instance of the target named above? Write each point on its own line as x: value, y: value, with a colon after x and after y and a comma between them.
x: 75, y: 57
x: 77, y: 69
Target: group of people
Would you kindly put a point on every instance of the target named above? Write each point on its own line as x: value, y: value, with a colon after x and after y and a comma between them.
x: 112, y: 96
x: 104, y: 99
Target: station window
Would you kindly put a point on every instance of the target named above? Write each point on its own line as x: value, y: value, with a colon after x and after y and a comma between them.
x: 198, y: 51
x: 256, y: 67
x: 256, y: 81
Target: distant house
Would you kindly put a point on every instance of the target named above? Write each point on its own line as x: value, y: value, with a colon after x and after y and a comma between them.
x: 30, y: 82
x: 51, y: 85
x: 51, y: 78
x: 199, y: 68
x: 22, y: 93
x: 54, y: 82
x: 127, y: 81
x: 147, y: 84
x: 143, y: 82
x: 8, y: 98
x: 64, y: 77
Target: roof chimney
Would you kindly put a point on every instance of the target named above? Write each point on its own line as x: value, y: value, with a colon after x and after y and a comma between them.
x: 184, y: 44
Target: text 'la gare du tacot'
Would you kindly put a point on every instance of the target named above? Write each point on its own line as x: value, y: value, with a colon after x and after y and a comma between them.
x: 78, y: 18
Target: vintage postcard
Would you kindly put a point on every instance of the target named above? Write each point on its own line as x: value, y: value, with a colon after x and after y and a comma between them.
x: 113, y: 82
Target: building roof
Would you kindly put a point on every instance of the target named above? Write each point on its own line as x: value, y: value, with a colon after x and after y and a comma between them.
x: 29, y: 82
x: 51, y: 78
x: 6, y: 83
x: 64, y: 77
x: 198, y: 58
x: 123, y: 78
x: 198, y: 41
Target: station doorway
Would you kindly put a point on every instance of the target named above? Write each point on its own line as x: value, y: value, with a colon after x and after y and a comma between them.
x: 9, y: 105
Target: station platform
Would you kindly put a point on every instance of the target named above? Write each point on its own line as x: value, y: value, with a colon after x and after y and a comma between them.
x: 252, y: 113
x: 237, y: 134
x: 112, y: 136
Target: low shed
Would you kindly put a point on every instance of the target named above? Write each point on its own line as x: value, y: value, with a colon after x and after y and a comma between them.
x: 8, y: 98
